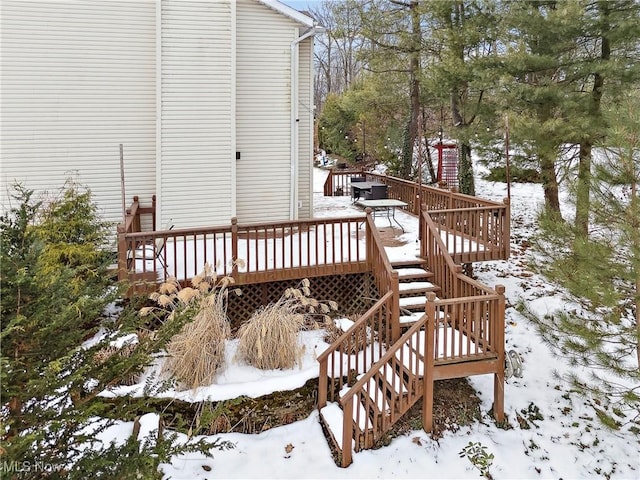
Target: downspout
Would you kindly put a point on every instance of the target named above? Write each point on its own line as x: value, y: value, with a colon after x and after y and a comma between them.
x: 158, y: 92
x: 293, y: 202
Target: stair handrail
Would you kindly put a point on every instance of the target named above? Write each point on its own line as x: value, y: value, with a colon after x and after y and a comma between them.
x: 413, y: 395
x: 358, y: 362
x: 452, y: 281
x: 385, y: 276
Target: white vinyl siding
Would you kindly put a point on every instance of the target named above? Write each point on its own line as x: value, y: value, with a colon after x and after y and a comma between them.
x: 78, y: 79
x: 197, y: 105
x: 263, y: 115
x: 305, y: 135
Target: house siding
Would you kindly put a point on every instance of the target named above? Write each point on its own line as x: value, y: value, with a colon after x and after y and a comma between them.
x: 197, y: 113
x: 263, y: 116
x: 78, y: 79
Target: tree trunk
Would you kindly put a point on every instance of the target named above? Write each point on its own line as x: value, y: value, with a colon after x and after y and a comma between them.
x: 583, y: 205
x: 550, y: 184
x: 465, y: 171
x: 411, y: 131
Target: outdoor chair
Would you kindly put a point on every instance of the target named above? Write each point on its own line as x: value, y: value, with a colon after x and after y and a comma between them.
x: 378, y: 192
x: 355, y: 194
x: 149, y: 251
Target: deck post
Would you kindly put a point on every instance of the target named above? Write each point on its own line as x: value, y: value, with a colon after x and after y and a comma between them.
x: 323, y: 384
x: 498, y: 377
x: 456, y: 281
x: 153, y: 212
x: 122, y: 253
x: 347, y: 432
x: 369, y: 238
x: 506, y: 232
x: 429, y: 358
x: 234, y: 248
x: 395, y: 306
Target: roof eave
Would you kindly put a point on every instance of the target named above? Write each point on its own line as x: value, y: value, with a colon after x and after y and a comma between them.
x: 289, y: 12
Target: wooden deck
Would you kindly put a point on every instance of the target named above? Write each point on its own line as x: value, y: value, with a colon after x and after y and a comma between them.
x: 459, y: 330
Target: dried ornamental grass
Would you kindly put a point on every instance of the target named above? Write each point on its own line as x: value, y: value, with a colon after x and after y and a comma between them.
x: 269, y: 340
x: 196, y: 354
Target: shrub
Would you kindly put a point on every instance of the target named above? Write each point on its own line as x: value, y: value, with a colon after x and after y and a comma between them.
x: 269, y: 340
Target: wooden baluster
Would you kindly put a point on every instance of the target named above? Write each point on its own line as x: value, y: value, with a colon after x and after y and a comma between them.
x: 234, y: 249
x: 429, y: 357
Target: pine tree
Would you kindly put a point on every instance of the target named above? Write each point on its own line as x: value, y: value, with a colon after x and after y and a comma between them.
x: 538, y: 54
x: 602, y: 273
x: 464, y: 34
x: 55, y: 291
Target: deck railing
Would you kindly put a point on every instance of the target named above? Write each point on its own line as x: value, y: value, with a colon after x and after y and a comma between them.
x: 379, y: 326
x: 474, y: 234
x: 385, y: 277
x: 353, y: 353
x: 474, y: 229
x: 250, y: 253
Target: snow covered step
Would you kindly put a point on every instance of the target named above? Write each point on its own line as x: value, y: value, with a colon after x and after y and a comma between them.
x: 411, y: 262
x: 407, y: 320
x: 413, y: 303
x: 333, y: 417
x: 417, y: 287
x: 409, y: 273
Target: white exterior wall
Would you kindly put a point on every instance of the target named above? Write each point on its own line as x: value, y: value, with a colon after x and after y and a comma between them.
x: 197, y: 128
x: 263, y: 115
x: 78, y: 79
x: 174, y: 81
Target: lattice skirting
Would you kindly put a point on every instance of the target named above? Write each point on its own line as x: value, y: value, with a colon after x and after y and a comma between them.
x: 354, y: 293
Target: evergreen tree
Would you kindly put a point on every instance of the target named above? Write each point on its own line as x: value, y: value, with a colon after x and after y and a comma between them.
x: 610, y: 37
x: 538, y: 53
x: 55, y: 292
x: 464, y: 35
x: 602, y: 273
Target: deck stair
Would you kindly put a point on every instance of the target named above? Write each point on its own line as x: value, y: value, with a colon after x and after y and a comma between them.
x: 430, y: 324
x: 415, y: 281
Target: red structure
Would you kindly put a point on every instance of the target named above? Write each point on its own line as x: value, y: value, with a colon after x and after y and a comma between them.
x: 448, y: 164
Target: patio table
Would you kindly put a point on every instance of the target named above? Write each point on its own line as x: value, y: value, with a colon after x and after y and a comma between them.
x: 386, y: 206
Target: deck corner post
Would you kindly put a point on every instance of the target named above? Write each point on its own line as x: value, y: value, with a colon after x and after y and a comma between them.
x: 498, y: 378
x: 122, y: 253
x: 234, y: 248
x: 506, y: 232
x: 429, y: 359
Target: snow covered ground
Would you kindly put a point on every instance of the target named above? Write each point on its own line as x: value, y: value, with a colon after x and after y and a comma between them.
x: 563, y: 440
